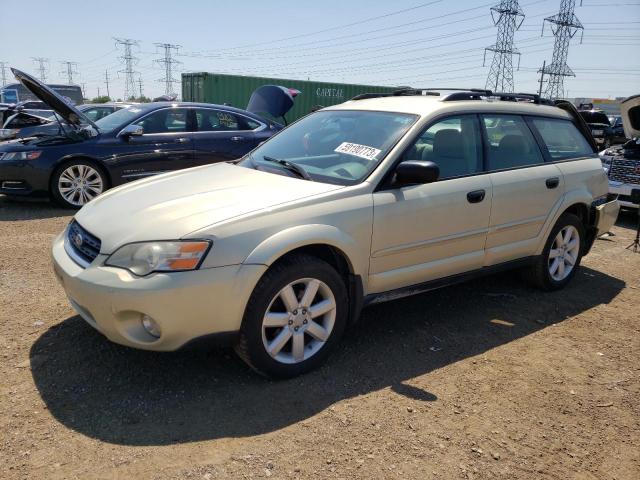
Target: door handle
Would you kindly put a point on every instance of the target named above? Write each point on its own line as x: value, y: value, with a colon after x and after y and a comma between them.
x: 476, y: 196
x: 552, y: 182
x: 237, y: 139
x: 182, y: 140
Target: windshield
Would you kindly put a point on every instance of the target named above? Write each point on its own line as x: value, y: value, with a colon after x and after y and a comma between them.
x: 118, y: 119
x: 336, y: 146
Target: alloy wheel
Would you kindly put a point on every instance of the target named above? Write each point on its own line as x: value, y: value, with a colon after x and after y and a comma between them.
x: 79, y: 184
x: 564, y: 252
x: 299, y: 320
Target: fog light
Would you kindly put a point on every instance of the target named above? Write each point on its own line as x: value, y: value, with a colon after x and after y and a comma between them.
x: 151, y: 326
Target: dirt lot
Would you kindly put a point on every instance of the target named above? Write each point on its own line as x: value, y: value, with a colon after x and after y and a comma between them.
x: 489, y: 379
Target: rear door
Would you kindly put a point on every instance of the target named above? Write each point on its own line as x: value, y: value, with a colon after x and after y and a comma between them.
x: 223, y: 135
x: 525, y: 188
x: 165, y: 145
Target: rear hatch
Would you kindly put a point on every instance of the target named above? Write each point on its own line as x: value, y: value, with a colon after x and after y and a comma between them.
x: 630, y: 111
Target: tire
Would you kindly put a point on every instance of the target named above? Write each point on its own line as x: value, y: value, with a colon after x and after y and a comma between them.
x: 298, y: 339
x: 545, y: 273
x: 77, y: 182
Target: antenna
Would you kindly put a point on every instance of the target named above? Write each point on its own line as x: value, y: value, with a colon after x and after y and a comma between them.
x: 168, y: 61
x: 508, y: 16
x: 564, y: 26
x: 129, y: 61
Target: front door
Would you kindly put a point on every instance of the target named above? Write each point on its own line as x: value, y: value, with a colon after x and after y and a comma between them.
x: 165, y: 145
x: 427, y: 232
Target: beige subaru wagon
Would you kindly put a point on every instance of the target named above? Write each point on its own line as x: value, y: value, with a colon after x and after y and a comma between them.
x: 380, y: 197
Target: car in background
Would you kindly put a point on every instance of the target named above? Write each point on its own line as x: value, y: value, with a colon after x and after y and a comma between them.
x: 29, y: 123
x: 600, y: 127
x: 617, y: 127
x: 78, y: 163
x: 8, y: 110
x: 16, y: 93
x: 622, y: 162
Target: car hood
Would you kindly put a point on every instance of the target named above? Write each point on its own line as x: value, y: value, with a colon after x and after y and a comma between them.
x: 58, y: 104
x: 172, y: 205
x: 630, y: 111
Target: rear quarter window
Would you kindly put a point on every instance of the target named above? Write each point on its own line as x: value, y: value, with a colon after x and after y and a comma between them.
x: 562, y: 139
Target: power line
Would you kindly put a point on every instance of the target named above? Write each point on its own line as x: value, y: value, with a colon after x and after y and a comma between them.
x: 129, y: 61
x: 69, y: 70
x: 508, y: 16
x: 564, y: 26
x: 42, y: 67
x: 168, y: 62
x: 338, y: 27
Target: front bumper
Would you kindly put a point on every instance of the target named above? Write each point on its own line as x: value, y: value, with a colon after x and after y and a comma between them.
x: 24, y: 178
x: 623, y: 190
x: 186, y: 305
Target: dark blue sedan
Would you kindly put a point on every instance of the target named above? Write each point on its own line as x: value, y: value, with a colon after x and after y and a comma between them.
x: 85, y: 158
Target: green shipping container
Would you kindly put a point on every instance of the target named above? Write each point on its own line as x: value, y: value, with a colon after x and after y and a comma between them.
x: 235, y: 90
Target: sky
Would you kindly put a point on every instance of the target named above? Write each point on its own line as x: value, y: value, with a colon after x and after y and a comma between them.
x: 404, y: 42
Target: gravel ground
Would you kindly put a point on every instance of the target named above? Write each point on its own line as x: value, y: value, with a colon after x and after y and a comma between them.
x: 489, y: 379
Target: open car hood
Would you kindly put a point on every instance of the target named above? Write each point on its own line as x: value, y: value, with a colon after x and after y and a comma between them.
x: 630, y: 111
x: 272, y: 99
x: 57, y: 103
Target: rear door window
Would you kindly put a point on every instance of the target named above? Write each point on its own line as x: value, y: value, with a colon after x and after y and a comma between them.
x: 561, y: 138
x: 209, y: 120
x: 510, y: 143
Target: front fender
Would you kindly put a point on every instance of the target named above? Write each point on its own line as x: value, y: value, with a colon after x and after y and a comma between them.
x: 274, y: 247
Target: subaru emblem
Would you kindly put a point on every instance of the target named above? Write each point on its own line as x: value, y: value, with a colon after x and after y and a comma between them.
x: 77, y: 240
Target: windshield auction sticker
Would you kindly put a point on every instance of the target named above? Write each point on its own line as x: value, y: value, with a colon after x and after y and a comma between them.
x: 362, y: 151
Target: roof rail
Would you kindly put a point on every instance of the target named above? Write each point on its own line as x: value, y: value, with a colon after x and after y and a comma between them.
x: 504, y: 96
x: 461, y: 94
x: 396, y: 93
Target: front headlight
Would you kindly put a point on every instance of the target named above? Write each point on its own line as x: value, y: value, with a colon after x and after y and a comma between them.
x: 32, y: 155
x: 8, y: 133
x: 164, y: 256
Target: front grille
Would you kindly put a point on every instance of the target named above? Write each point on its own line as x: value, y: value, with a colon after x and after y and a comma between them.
x: 82, y: 243
x: 627, y: 171
x: 2, y: 155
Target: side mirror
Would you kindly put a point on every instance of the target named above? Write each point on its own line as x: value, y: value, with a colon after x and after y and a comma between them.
x: 131, y: 131
x: 412, y: 172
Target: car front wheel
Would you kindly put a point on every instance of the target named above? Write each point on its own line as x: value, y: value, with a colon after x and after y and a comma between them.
x: 76, y: 183
x: 295, y: 316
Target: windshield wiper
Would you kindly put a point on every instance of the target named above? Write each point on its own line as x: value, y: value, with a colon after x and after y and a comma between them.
x: 292, y: 167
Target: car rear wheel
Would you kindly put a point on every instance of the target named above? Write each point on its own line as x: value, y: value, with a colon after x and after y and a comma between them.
x: 76, y: 183
x: 295, y: 316
x: 561, y: 256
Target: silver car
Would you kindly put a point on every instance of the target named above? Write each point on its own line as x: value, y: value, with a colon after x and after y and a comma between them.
x: 380, y: 197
